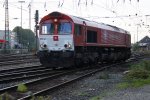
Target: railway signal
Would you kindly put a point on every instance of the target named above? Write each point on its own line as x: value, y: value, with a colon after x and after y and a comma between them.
x: 36, y: 16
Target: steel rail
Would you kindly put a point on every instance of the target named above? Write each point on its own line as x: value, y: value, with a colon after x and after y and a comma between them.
x: 21, y: 77
x: 70, y: 81
x: 21, y: 69
x: 13, y: 88
x: 18, y: 62
x: 63, y: 83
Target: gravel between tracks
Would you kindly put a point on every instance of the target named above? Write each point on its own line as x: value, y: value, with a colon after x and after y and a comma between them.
x: 96, y: 88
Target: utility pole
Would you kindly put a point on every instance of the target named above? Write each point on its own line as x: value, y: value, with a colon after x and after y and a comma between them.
x: 21, y: 26
x: 21, y: 10
x: 29, y: 24
x: 36, y: 27
x: 138, y: 25
x: 29, y: 15
x: 6, y: 45
x: 30, y: 4
x: 137, y: 33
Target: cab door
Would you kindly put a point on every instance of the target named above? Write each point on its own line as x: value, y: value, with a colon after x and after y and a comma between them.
x: 78, y: 35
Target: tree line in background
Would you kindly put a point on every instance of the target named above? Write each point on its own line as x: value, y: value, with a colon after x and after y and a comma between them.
x: 25, y: 38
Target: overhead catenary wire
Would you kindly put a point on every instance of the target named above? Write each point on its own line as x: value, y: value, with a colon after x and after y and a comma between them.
x: 79, y: 9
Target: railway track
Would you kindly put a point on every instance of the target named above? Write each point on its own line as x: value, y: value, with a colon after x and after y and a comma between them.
x: 14, y: 56
x: 15, y: 76
x: 17, y: 59
x: 42, y: 85
x: 50, y: 81
x: 18, y: 62
x: 28, y: 74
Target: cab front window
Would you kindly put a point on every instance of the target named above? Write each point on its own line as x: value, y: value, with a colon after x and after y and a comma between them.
x: 48, y: 28
x: 64, y: 28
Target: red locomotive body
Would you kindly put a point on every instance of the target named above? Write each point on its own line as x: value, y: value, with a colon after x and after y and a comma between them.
x: 81, y: 41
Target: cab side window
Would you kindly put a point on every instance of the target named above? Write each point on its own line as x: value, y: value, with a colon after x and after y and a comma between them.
x: 78, y: 30
x: 91, y: 36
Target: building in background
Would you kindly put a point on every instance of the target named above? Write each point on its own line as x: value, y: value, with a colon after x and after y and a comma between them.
x: 144, y: 43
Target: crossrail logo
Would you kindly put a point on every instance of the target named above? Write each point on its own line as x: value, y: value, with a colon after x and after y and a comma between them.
x: 55, y: 38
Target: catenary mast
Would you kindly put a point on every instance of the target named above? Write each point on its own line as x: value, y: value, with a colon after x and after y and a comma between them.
x: 6, y: 46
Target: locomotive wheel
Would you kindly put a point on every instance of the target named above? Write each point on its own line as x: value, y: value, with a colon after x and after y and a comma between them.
x: 43, y: 61
x: 96, y: 60
x: 78, y: 62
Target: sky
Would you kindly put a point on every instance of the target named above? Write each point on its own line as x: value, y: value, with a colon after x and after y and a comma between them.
x: 131, y: 15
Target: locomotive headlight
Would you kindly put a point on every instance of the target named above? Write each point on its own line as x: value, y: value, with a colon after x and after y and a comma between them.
x: 43, y: 46
x: 65, y: 45
x: 68, y: 46
x: 55, y: 20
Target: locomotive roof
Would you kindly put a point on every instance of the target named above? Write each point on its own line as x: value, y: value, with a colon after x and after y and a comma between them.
x: 79, y: 20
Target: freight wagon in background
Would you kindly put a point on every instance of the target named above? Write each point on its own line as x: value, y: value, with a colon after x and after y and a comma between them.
x: 10, y: 39
x: 2, y: 43
x: 66, y: 40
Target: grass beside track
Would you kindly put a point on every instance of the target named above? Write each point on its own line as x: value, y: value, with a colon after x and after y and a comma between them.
x: 137, y: 76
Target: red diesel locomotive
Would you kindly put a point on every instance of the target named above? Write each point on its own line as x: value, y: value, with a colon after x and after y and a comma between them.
x: 66, y: 40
